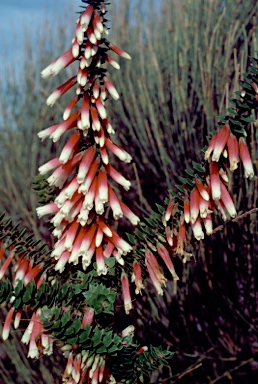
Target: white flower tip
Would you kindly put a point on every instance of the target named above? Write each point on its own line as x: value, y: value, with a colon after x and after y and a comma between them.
x: 135, y: 220
x: 75, y: 51
x: 160, y: 291
x: 47, y: 71
x: 33, y: 353
x: 40, y: 212
x: 26, y: 337
x: 52, y: 99
x: 118, y: 214
x: 233, y: 213
x: 249, y: 174
x: 120, y: 260
x: 115, y: 95
x: 199, y: 236
x: 42, y: 135
x: 127, y: 56
x: 115, y: 65
x: 66, y: 115
x: 215, y: 157
x: 102, y: 271
x: 5, y: 334
x: 41, y: 170
x: 127, y: 185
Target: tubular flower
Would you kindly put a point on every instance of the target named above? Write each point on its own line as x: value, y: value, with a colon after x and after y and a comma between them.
x: 197, y: 229
x: 215, y: 181
x: 156, y: 275
x: 233, y: 150
x: 7, y: 323
x: 202, y: 190
x: 220, y: 142
x: 205, y: 187
x: 246, y: 158
x: 163, y: 253
x: 34, y: 335
x: 126, y: 293
x: 186, y: 209
x: 227, y: 201
x: 82, y: 368
x: 194, y: 204
x: 6, y: 264
x: 82, y: 170
x: 137, y: 277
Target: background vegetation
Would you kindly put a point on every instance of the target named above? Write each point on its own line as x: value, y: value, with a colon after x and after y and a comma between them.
x: 187, y: 59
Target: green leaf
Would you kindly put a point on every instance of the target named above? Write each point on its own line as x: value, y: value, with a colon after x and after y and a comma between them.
x: 183, y: 179
x: 236, y: 122
x: 180, y: 188
x: 65, y: 318
x: 130, y: 238
x: 18, y: 303
x: 55, y: 327
x: 85, y: 334
x: 77, y: 324
x: 78, y: 288
x: 151, y: 222
x: 139, y: 234
x: 63, y: 291
x: 74, y: 327
x: 96, y: 338
x: 160, y: 208
x: 247, y: 119
x: 72, y: 340
x: 232, y: 111
x: 149, y: 231
x: 190, y: 183
x: 110, y: 262
x: 56, y: 312
x: 101, y: 350
x: 28, y: 293
x: 108, y: 338
x: 245, y: 85
x: 241, y: 131
x: 113, y: 349
x: 156, y: 216
x: 223, y: 118
x: 198, y: 167
x: 100, y: 298
x: 18, y: 288
x: 253, y: 70
x: 189, y: 172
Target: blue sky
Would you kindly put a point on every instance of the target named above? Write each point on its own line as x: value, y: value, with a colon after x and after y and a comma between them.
x: 16, y: 16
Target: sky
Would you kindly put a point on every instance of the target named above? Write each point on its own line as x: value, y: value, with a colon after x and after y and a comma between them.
x: 19, y: 15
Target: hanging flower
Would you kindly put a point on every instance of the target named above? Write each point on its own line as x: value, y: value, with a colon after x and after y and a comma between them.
x: 246, y: 158
x: 82, y: 175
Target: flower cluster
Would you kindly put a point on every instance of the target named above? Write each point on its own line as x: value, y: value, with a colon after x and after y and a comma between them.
x: 207, y: 191
x: 202, y: 193
x: 83, y: 172
x: 34, y: 335
x: 83, y: 367
x: 223, y: 153
x: 84, y: 178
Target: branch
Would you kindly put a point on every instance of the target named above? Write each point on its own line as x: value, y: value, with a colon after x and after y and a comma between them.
x: 221, y: 227
x: 227, y: 373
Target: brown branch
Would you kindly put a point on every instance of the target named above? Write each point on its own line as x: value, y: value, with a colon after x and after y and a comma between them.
x: 221, y: 227
x: 227, y: 373
x: 189, y: 369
